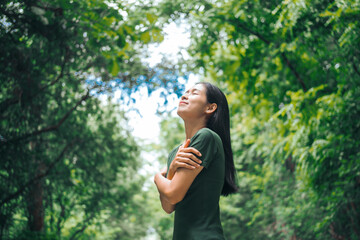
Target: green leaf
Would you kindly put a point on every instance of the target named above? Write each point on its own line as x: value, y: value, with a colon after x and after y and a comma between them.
x: 151, y: 17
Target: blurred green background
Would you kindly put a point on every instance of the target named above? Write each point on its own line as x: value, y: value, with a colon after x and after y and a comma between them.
x: 69, y: 163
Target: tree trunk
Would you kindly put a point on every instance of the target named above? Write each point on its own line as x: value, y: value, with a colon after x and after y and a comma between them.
x: 35, y: 205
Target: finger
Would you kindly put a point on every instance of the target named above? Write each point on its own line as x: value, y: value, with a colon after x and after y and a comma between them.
x: 186, y: 160
x: 190, y: 156
x: 187, y: 143
x: 192, y: 162
x: 195, y: 159
x: 184, y: 145
x: 192, y: 150
x: 184, y: 165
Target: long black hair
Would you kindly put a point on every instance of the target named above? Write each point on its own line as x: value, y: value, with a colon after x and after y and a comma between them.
x: 219, y: 122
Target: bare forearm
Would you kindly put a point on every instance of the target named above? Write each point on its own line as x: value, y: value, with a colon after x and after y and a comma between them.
x: 162, y: 185
x: 168, y: 189
x: 168, y: 207
x: 170, y: 174
x: 174, y: 190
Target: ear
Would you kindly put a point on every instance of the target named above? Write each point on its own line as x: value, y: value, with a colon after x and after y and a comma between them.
x: 211, y: 108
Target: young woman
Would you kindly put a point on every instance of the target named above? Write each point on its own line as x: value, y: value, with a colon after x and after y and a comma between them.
x: 202, y: 168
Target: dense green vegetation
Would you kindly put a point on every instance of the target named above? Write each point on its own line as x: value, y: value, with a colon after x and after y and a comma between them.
x: 68, y: 161
x: 69, y: 165
x: 291, y: 72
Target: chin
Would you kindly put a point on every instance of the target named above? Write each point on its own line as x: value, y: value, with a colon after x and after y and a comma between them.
x: 180, y: 113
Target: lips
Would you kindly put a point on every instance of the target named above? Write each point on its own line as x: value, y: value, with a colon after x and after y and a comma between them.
x: 182, y: 102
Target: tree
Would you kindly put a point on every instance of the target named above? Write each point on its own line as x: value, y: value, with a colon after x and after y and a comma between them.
x: 63, y: 153
x: 291, y: 73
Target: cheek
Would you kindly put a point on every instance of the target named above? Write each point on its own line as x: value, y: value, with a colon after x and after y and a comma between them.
x: 199, y: 103
x: 198, y: 109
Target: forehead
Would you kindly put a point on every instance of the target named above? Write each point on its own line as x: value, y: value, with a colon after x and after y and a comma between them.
x: 197, y: 87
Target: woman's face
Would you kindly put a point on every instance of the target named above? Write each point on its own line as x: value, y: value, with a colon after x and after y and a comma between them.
x: 193, y: 103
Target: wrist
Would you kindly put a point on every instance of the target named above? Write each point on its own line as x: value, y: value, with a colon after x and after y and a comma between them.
x: 171, y: 173
x: 156, y: 177
x: 171, y: 170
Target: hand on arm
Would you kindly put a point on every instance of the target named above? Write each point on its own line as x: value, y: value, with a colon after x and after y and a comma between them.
x: 184, y: 158
x: 182, y: 172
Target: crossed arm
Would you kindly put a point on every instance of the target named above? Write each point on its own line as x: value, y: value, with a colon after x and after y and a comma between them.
x: 182, y: 172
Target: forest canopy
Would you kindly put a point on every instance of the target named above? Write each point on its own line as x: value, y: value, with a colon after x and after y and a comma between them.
x: 69, y: 164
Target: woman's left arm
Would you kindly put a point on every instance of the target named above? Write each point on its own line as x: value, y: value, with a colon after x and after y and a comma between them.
x: 173, y: 191
x: 166, y: 205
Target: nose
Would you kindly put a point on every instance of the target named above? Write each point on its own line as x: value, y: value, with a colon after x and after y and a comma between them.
x: 184, y: 97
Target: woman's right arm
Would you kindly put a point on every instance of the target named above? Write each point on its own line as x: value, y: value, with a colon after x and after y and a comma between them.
x: 184, y: 158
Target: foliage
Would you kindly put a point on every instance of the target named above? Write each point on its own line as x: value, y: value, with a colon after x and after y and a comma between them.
x: 172, y: 134
x: 291, y: 73
x: 68, y: 162
x: 69, y: 165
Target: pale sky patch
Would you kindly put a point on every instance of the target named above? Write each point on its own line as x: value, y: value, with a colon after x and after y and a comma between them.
x: 176, y: 39
x: 146, y: 126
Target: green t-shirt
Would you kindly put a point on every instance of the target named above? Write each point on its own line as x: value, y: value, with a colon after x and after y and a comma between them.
x: 197, y: 216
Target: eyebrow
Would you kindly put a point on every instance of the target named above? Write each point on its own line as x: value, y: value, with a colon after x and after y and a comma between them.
x: 192, y: 90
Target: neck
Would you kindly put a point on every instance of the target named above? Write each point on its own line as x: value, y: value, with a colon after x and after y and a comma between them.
x: 191, y: 127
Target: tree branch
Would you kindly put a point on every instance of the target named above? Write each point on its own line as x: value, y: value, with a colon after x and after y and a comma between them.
x: 62, y: 216
x: 82, y: 229
x: 356, y: 69
x: 334, y: 234
x: 66, y: 58
x: 10, y: 101
x: 293, y: 70
x: 353, y: 221
x: 7, y: 103
x: 62, y: 120
x: 38, y: 177
x: 53, y: 127
x: 262, y: 38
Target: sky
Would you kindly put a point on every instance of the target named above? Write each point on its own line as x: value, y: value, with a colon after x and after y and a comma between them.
x: 146, y: 126
x: 145, y: 123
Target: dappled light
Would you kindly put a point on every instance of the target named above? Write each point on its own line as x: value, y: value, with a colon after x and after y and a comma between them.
x: 73, y: 167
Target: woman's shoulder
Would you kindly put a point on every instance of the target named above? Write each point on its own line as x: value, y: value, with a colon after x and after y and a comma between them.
x: 207, y: 134
x: 175, y: 149
x: 172, y: 153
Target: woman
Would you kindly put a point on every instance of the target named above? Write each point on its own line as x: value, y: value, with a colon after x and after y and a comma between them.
x: 201, y: 169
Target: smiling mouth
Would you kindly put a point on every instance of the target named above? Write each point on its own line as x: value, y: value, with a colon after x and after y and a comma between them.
x: 182, y: 102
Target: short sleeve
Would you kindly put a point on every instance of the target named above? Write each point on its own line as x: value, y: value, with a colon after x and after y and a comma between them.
x: 204, y: 142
